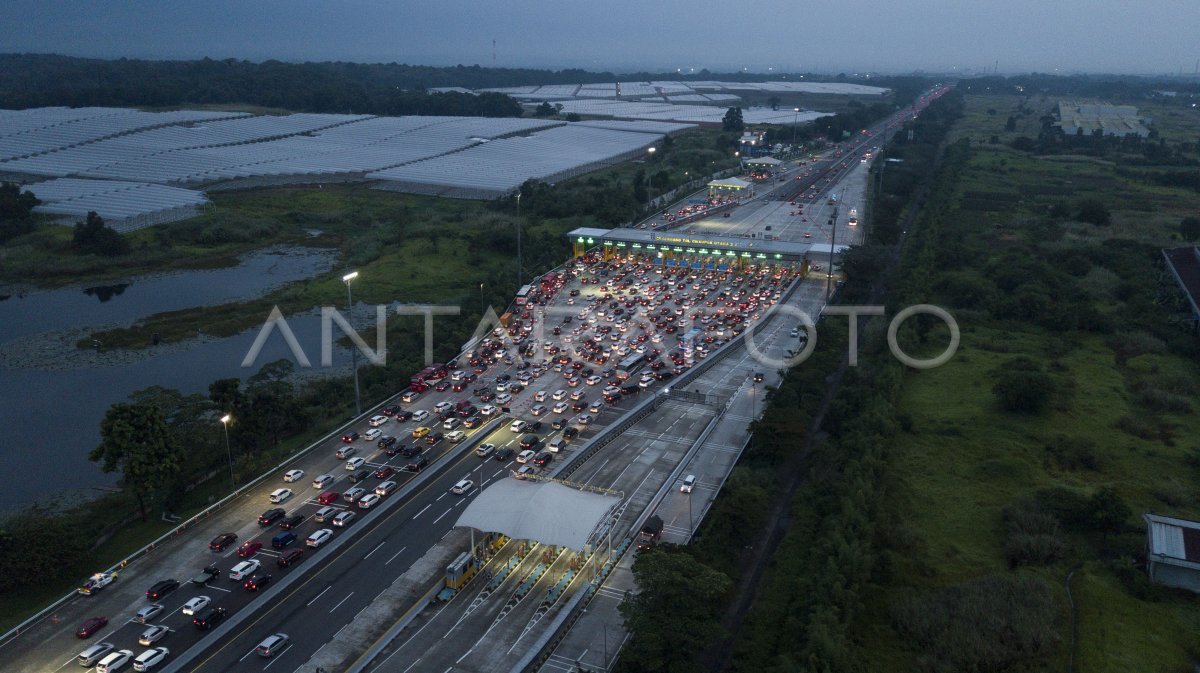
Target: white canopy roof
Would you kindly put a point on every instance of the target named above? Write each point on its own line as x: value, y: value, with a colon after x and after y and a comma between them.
x: 764, y: 161
x: 730, y: 183
x: 548, y: 512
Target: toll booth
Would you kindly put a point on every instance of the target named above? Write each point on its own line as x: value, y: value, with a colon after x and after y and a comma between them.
x: 460, y: 571
x: 696, y: 252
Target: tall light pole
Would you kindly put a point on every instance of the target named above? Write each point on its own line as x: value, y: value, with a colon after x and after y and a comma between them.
x: 482, y: 305
x: 795, y: 125
x: 651, y: 152
x: 353, y: 346
x: 519, y: 262
x: 228, y: 451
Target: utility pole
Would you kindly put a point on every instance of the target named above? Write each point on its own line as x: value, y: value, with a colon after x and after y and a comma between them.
x: 832, y: 244
x: 353, y: 346
x: 519, y: 261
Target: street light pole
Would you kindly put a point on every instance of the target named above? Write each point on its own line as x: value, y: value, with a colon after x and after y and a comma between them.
x: 353, y: 346
x: 795, y: 125
x: 228, y: 451
x: 651, y: 151
x: 519, y: 262
x: 482, y: 305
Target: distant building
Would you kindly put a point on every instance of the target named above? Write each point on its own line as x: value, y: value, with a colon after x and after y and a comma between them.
x: 1173, y: 551
x: 753, y: 143
x: 1091, y: 118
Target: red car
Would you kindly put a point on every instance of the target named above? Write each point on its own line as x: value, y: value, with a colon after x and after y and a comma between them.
x: 328, y: 497
x: 384, y: 472
x: 249, y: 548
x: 91, y: 626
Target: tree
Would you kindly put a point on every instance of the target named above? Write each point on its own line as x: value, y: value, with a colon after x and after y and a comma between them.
x: 1011, y: 124
x: 1109, y: 512
x: 733, y: 120
x: 1094, y: 212
x: 136, y: 439
x: 16, y: 211
x: 1189, y: 229
x: 93, y: 235
x: 544, y: 110
x: 675, y: 615
x: 1021, y: 390
x: 774, y: 102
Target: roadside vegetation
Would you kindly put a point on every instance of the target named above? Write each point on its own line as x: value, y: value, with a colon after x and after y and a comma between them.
x: 985, y: 515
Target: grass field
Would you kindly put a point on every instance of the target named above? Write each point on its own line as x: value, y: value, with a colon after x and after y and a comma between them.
x: 963, y: 460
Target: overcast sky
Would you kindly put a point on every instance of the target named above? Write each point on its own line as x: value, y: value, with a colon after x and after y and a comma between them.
x: 1148, y: 36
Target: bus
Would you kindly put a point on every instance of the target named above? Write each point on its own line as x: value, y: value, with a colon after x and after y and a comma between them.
x: 523, y: 294
x: 630, y: 365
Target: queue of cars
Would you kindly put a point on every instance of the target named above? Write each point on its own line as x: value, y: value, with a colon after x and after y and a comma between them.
x: 624, y: 307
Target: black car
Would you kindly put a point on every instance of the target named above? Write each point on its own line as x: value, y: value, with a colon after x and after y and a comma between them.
x: 571, y: 433
x: 487, y: 396
x: 503, y: 378
x: 535, y: 426
x: 291, y: 522
x: 506, y: 454
x: 271, y: 516
x: 559, y: 423
x: 411, y: 450
x: 161, y: 589
x: 529, y: 441
x: 359, y: 475
x: 578, y: 406
x: 473, y: 422
x: 403, y: 416
x: 387, y: 442
x: 543, y: 459
x: 417, y: 465
x: 220, y: 542
x: 350, y: 437
x: 257, y: 582
x: 434, y: 437
x: 391, y: 410
x: 209, y: 618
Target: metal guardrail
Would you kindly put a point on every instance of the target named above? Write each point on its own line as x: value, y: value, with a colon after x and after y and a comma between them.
x: 192, y: 521
x: 326, y: 552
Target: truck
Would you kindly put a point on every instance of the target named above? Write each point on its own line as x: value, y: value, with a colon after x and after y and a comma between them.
x: 650, y: 533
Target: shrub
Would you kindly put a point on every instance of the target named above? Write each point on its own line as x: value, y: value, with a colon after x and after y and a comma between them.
x: 1023, y: 391
x: 1094, y: 212
x: 1034, y: 536
x: 1074, y: 453
x: 993, y: 623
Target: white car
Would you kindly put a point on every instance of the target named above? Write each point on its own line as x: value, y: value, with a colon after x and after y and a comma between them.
x: 385, y: 487
x: 442, y: 406
x: 150, y: 658
x: 372, y: 434
x: 540, y: 396
x: 367, y: 501
x: 114, y: 662
x: 592, y: 380
x: 195, y: 605
x: 377, y: 421
x: 503, y: 398
x: 355, y: 463
x: 485, y: 450
x: 595, y: 408
x: 244, y: 569
x: 583, y: 420
x: 343, y: 519
x: 524, y: 472
x: 559, y: 394
x: 518, y: 426
x: 319, y: 538
x: 689, y: 482
x: 420, y: 415
x: 576, y: 395
x: 487, y: 410
x: 153, y: 634
x: 526, y: 456
x: 463, y: 487
x: 324, y: 513
x: 281, y: 494
x: 293, y: 475
x: 323, y: 481
x: 147, y: 613
x: 560, y: 407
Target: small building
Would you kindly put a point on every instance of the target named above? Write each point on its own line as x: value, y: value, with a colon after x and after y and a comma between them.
x: 1173, y: 551
x: 753, y: 143
x: 1097, y: 118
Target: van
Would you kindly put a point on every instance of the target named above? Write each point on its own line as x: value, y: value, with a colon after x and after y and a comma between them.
x: 689, y: 483
x: 283, y: 539
x: 557, y: 444
x: 451, y: 423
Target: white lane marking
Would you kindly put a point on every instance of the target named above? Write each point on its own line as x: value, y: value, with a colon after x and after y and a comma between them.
x: 422, y: 510
x: 342, y: 601
x: 395, y: 555
x: 314, y: 600
x: 275, y: 658
x: 443, y: 514
x: 374, y: 550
